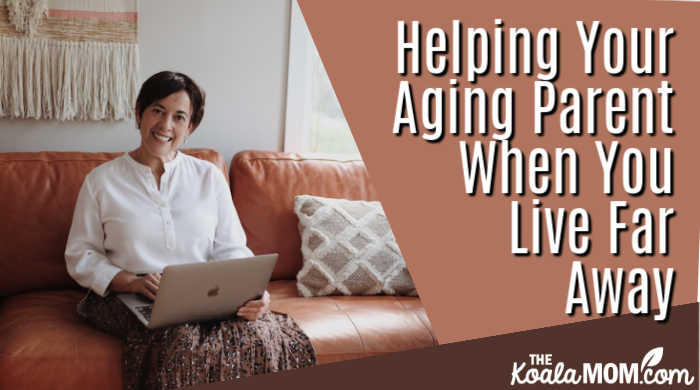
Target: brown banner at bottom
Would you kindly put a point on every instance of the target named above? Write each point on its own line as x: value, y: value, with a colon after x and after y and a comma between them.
x: 626, y: 351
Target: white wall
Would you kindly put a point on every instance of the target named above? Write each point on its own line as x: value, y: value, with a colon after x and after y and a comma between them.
x: 237, y: 50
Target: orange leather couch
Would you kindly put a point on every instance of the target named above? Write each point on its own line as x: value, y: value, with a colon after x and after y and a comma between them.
x: 45, y: 345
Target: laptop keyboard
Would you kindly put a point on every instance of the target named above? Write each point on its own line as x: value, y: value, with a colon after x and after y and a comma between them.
x: 145, y: 310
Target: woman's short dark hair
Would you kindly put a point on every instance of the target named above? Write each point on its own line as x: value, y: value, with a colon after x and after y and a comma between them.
x: 165, y: 83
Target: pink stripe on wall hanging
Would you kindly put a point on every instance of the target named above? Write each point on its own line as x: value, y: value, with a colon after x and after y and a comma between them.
x: 68, y: 59
x: 77, y: 14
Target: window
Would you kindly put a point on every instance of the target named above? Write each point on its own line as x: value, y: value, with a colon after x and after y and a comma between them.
x: 314, y: 121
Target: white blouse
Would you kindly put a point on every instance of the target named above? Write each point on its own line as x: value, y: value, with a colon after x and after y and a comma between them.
x: 122, y: 221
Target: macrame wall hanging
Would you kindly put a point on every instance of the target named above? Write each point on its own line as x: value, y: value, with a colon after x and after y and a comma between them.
x: 68, y: 59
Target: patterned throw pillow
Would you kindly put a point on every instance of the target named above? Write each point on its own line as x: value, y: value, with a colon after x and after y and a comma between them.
x: 348, y: 248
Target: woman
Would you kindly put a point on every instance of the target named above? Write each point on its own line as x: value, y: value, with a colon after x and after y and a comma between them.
x: 153, y: 207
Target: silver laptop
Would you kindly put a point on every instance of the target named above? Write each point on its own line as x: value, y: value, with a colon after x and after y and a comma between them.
x: 203, y: 291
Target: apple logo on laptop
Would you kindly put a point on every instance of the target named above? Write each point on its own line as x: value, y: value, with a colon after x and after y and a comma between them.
x: 213, y: 292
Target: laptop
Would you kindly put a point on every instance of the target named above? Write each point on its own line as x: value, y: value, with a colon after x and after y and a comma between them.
x: 203, y: 291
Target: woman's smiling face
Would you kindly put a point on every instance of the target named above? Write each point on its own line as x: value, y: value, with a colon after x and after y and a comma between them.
x: 165, y: 124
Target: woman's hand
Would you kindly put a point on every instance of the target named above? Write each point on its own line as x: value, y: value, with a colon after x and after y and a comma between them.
x: 253, y: 310
x: 146, y: 285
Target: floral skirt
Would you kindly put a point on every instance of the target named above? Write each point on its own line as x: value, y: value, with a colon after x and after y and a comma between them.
x: 198, y: 353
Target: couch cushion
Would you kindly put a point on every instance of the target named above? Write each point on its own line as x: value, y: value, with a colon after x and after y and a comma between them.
x: 342, y: 328
x: 37, y: 201
x: 40, y: 332
x: 264, y: 185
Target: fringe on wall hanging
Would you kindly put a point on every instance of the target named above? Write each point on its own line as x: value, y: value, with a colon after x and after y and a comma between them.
x: 68, y: 59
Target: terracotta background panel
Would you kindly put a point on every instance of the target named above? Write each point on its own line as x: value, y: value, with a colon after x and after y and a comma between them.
x: 457, y: 245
